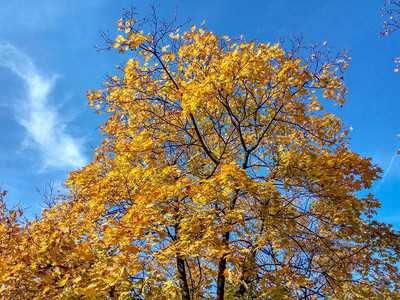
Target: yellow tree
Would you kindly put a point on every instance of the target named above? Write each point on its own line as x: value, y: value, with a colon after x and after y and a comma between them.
x: 219, y: 176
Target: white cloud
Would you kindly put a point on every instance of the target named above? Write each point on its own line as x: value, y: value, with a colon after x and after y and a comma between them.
x: 390, y: 165
x: 380, y: 183
x: 44, y: 125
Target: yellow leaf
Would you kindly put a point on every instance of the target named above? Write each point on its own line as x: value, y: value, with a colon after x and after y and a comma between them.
x: 45, y: 289
x: 62, y: 282
x: 91, y: 291
x: 178, y: 94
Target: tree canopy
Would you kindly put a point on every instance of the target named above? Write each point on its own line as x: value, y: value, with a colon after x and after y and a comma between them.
x: 220, y: 176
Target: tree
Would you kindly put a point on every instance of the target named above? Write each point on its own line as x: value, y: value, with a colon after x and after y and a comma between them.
x: 219, y: 176
x: 391, y: 13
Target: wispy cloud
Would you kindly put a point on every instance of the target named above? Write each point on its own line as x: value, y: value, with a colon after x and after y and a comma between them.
x: 44, y: 125
x: 390, y: 165
x: 378, y: 186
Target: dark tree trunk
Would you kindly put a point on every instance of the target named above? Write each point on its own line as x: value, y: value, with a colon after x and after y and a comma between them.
x: 222, y: 261
x: 180, y: 263
x: 221, y: 271
x: 180, y: 266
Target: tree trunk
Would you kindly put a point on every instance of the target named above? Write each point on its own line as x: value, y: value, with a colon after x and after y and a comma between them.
x: 180, y: 263
x: 221, y: 271
x: 180, y: 266
x: 222, y: 261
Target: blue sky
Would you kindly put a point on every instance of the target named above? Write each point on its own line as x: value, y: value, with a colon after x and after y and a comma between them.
x: 48, y: 61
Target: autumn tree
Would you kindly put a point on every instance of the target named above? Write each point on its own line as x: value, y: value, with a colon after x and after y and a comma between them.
x: 220, y: 176
x: 391, y: 14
